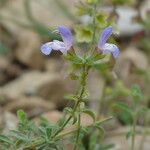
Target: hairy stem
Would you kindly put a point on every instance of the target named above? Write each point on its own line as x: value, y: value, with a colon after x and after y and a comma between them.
x: 133, y: 132
x: 94, y: 23
x: 83, y: 85
x: 141, y: 147
x: 78, y: 132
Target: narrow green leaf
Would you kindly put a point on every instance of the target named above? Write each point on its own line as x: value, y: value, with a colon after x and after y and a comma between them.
x: 5, y: 139
x: 123, y: 107
x: 68, y: 110
x: 83, y: 34
x: 71, y: 97
x: 22, y: 116
x: 75, y: 118
x: 94, y: 58
x: 129, y: 134
x: 74, y: 58
x: 136, y: 93
x: 102, y: 131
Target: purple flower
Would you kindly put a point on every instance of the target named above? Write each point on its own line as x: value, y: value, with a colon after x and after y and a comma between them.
x: 56, y: 45
x: 107, y: 47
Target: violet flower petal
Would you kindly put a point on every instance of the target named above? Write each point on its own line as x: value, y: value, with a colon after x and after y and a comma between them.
x: 111, y: 48
x: 106, y: 33
x: 46, y: 48
x: 66, y: 36
x: 62, y: 46
x: 59, y: 46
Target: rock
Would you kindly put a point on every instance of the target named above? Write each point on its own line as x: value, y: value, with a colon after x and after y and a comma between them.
x: 53, y: 116
x: 42, y: 11
x: 125, y: 23
x: 28, y: 42
x: 3, y: 66
x: 96, y: 86
x: 55, y: 65
x: 129, y: 60
x: 32, y: 105
x: 118, y: 138
x: 44, y: 84
x: 28, y: 50
x: 8, y: 70
x: 9, y: 122
x: 125, y: 19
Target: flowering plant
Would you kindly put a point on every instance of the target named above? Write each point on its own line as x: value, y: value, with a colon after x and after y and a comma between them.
x: 65, y: 45
x: 49, y: 136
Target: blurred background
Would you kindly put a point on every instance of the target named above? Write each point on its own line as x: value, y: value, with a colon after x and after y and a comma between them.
x: 38, y: 84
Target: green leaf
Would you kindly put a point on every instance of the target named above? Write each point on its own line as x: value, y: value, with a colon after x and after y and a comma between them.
x: 121, y: 2
x: 68, y: 110
x: 90, y: 113
x: 101, y: 19
x: 73, y: 76
x: 91, y: 60
x: 85, y: 95
x: 143, y: 110
x: 19, y: 136
x: 75, y: 118
x: 74, y: 58
x: 5, y: 139
x: 123, y: 107
x: 90, y: 1
x: 71, y: 97
x: 129, y: 134
x: 123, y: 112
x: 83, y: 34
x: 81, y: 10
x: 101, y: 66
x: 22, y: 116
x: 136, y: 93
x: 102, y: 131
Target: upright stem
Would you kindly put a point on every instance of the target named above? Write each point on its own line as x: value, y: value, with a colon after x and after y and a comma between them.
x: 66, y: 122
x: 141, y: 147
x: 78, y: 132
x: 133, y: 132
x: 92, y: 48
x: 82, y: 84
x: 94, y: 23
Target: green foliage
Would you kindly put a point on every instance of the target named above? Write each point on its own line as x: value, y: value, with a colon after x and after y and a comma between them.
x: 91, y: 1
x: 123, y: 112
x: 136, y: 93
x: 101, y: 19
x: 83, y: 34
x: 131, y: 113
x: 40, y: 136
x: 71, y: 97
x: 30, y: 135
x: 44, y: 135
x: 122, y: 2
x: 97, y: 20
